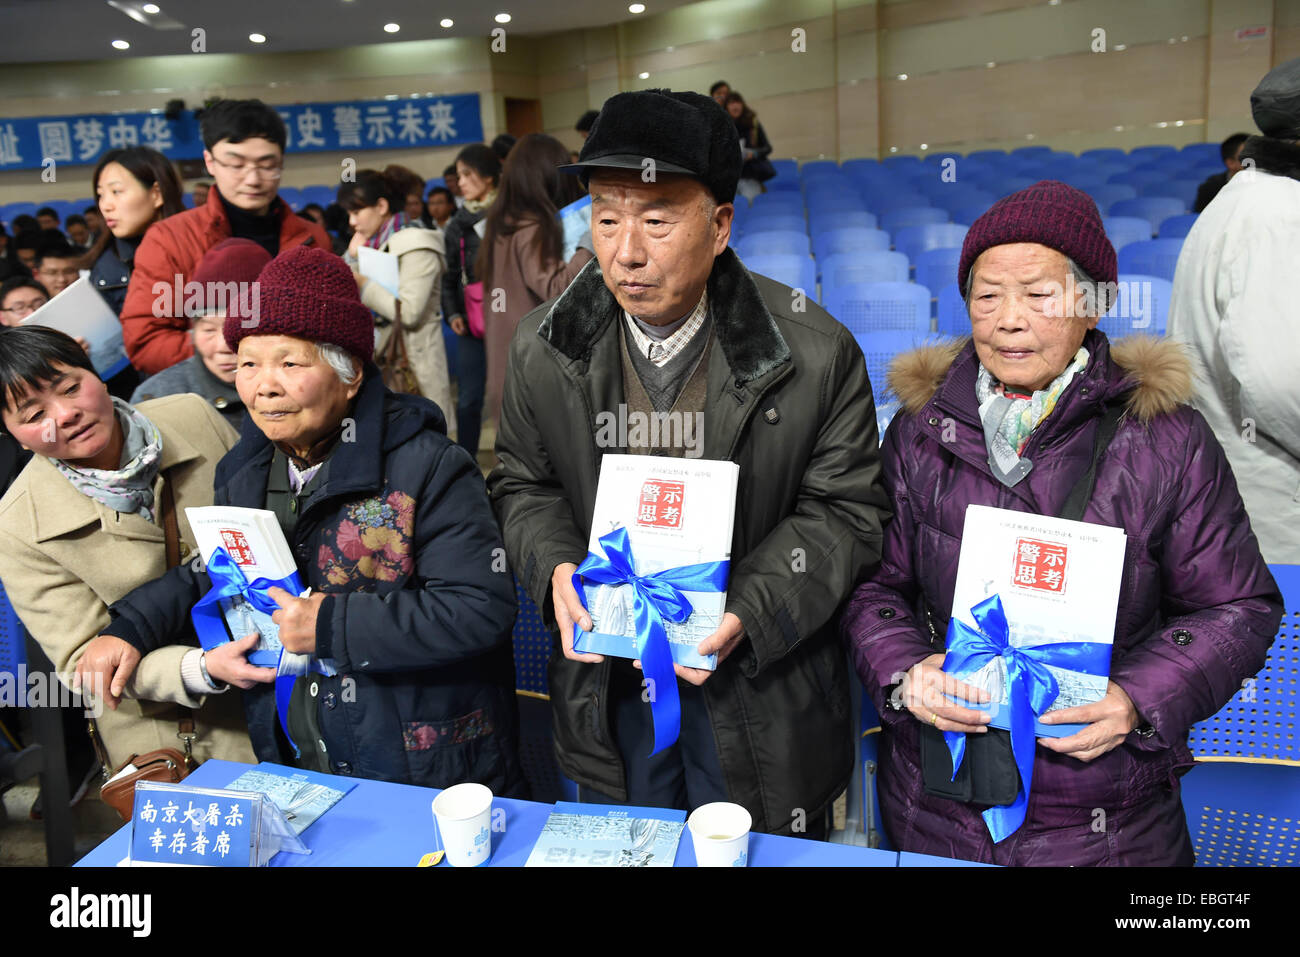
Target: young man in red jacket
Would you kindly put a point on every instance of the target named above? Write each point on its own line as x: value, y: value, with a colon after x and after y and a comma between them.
x: 244, y: 152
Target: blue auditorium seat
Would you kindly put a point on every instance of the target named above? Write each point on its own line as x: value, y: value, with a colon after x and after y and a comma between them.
x: 1155, y: 209
x: 1141, y: 306
x: 937, y: 268
x: 1122, y: 230
x: 840, y: 269
x: 953, y: 319
x: 1242, y: 798
x: 821, y: 221
x: 896, y: 219
x: 797, y: 272
x: 783, y: 241
x: 914, y: 240
x: 849, y: 240
x: 765, y: 221
x: 1154, y: 257
x: 1176, y: 227
x: 881, y: 307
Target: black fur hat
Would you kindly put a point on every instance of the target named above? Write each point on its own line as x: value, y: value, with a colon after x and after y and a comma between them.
x: 1275, y: 104
x: 682, y: 132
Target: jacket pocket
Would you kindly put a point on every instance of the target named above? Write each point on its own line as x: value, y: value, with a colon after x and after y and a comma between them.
x: 440, y: 753
x: 834, y: 692
x: 935, y: 564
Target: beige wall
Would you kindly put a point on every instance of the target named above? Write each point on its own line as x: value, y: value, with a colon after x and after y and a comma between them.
x: 840, y: 96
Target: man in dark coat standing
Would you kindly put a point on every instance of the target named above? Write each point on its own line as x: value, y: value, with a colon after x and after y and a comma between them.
x: 667, y: 319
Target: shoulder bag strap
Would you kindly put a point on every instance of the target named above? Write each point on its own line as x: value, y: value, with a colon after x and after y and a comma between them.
x: 1081, y: 494
x: 172, y: 538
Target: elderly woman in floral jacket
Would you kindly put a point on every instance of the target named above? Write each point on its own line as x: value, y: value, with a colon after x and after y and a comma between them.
x: 390, y: 525
x: 1007, y: 419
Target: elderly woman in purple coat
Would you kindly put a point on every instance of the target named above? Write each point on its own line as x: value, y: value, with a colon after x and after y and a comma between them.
x: 1008, y: 419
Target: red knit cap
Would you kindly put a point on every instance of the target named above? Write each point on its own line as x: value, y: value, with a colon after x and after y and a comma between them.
x: 1049, y: 213
x: 231, y: 260
x: 309, y: 293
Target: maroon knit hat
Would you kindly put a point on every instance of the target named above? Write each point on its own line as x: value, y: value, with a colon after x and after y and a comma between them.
x: 231, y: 260
x: 309, y: 293
x: 1049, y: 213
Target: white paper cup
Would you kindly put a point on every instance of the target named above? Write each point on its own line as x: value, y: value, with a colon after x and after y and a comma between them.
x: 720, y: 832
x: 463, y: 812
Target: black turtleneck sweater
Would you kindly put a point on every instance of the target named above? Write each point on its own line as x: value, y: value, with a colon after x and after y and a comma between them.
x: 263, y: 230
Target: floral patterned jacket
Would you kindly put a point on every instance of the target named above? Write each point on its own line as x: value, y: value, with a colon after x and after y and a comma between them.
x: 419, y: 602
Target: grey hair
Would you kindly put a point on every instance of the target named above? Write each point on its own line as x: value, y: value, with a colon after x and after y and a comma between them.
x: 1097, y: 297
x: 341, y: 361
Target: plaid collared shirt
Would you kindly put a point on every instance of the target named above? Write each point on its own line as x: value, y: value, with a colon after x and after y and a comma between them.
x: 662, y: 351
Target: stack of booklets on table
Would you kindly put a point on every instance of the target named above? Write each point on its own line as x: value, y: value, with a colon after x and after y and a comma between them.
x: 597, y: 835
x: 303, y: 796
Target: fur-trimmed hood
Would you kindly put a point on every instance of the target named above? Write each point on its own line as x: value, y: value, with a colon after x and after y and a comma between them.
x: 1158, y: 369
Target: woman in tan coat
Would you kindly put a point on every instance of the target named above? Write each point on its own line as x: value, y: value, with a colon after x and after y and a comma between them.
x: 374, y: 204
x: 84, y: 523
x: 521, y: 260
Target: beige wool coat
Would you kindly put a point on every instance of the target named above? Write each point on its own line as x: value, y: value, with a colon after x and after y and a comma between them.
x: 64, y: 558
x: 420, y: 261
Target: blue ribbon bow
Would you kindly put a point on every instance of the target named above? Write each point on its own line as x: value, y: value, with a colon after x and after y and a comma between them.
x: 228, y: 581
x: 656, y: 598
x: 1031, y: 689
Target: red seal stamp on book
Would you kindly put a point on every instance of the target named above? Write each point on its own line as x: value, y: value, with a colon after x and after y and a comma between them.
x: 660, y: 504
x: 236, y: 545
x: 1040, y: 565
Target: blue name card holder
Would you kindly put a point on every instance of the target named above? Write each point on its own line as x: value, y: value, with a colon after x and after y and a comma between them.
x: 182, y: 825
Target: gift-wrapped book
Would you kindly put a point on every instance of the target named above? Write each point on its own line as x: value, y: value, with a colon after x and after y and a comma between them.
x: 243, y: 543
x: 672, y: 519
x: 1058, y: 583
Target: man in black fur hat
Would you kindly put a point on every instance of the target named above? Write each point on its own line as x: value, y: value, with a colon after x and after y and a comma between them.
x: 1233, y: 303
x: 668, y: 320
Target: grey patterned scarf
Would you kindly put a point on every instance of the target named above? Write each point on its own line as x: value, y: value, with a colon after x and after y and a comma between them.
x: 129, y: 488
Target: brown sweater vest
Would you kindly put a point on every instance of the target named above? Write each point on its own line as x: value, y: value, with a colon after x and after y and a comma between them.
x: 673, y: 432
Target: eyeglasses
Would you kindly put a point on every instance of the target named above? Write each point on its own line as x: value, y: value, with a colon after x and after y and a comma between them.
x: 25, y: 308
x: 241, y: 170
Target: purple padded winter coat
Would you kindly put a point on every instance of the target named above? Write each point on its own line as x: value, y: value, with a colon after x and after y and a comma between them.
x: 1197, y: 612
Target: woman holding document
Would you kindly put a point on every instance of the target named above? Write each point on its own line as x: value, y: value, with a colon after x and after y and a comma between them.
x: 374, y: 204
x: 407, y: 605
x: 1039, y: 414
x: 99, y: 510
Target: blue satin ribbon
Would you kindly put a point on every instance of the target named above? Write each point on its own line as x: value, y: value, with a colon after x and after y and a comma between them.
x: 1031, y: 689
x: 656, y: 598
x: 228, y: 581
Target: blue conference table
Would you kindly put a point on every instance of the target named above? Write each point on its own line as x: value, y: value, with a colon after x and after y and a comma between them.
x: 379, y: 824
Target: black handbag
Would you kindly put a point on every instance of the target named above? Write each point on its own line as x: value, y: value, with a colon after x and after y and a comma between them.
x: 988, y: 773
x: 760, y: 169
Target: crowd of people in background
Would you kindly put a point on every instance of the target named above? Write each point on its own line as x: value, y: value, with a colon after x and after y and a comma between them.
x: 266, y: 384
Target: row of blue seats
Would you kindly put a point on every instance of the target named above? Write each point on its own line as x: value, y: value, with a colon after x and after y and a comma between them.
x: 912, y: 244
x: 789, y: 210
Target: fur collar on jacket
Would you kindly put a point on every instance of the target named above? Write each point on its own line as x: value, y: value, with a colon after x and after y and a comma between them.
x: 1159, y: 369
x: 745, y: 329
x: 1278, y: 157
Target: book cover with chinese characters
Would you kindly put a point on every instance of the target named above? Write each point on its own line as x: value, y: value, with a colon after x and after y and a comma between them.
x: 677, y: 512
x: 1058, y: 580
x: 597, y: 835
x: 253, y: 539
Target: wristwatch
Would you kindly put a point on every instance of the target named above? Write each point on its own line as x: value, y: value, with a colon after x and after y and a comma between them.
x: 203, y: 670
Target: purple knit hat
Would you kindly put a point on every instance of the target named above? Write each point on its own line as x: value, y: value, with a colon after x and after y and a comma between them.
x: 1052, y: 214
x: 309, y: 293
